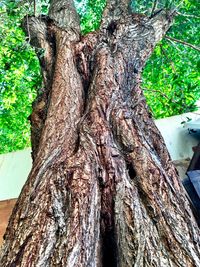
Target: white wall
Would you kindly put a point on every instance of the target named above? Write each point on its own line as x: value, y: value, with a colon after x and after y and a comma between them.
x: 15, y: 166
x: 177, y: 138
x: 14, y: 170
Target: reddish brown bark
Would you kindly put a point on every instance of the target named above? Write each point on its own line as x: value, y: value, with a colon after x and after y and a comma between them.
x: 103, y: 190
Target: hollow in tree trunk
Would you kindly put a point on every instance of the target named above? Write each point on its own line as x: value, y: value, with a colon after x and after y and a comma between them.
x: 102, y: 190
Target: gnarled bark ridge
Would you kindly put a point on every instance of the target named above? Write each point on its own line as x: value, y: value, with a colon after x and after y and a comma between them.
x: 103, y: 190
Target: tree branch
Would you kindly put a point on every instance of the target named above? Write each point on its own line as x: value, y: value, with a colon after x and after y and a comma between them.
x: 34, y: 7
x: 187, y: 15
x: 182, y: 42
x: 154, y: 8
x: 169, y: 60
x: 36, y: 30
x: 161, y: 23
x: 159, y: 92
x: 64, y: 15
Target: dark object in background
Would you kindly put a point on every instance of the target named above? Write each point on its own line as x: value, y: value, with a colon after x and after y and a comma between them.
x: 188, y: 183
x: 192, y: 183
x: 195, y: 179
x: 195, y: 161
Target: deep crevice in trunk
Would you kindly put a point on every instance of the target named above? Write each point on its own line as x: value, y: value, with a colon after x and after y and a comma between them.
x: 131, y: 172
x: 109, y: 249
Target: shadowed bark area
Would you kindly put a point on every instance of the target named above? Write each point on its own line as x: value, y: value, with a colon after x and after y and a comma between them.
x: 103, y: 190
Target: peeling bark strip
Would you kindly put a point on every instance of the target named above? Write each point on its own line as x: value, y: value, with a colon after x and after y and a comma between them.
x: 102, y: 190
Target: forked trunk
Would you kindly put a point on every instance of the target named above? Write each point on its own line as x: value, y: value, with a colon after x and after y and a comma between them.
x: 103, y: 190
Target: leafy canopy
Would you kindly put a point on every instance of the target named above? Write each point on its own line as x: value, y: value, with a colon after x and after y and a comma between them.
x: 170, y: 78
x: 19, y: 78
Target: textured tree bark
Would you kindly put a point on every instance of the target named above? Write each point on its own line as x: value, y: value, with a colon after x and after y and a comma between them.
x: 103, y: 190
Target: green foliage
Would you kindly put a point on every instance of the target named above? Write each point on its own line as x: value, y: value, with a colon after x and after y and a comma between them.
x: 170, y: 78
x: 20, y: 76
x: 90, y: 12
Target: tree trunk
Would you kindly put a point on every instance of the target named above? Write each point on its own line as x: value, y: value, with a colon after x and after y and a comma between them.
x: 103, y: 190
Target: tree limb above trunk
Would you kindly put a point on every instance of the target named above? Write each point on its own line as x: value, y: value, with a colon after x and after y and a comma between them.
x: 114, y: 10
x: 37, y: 32
x: 64, y: 15
x: 161, y: 22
